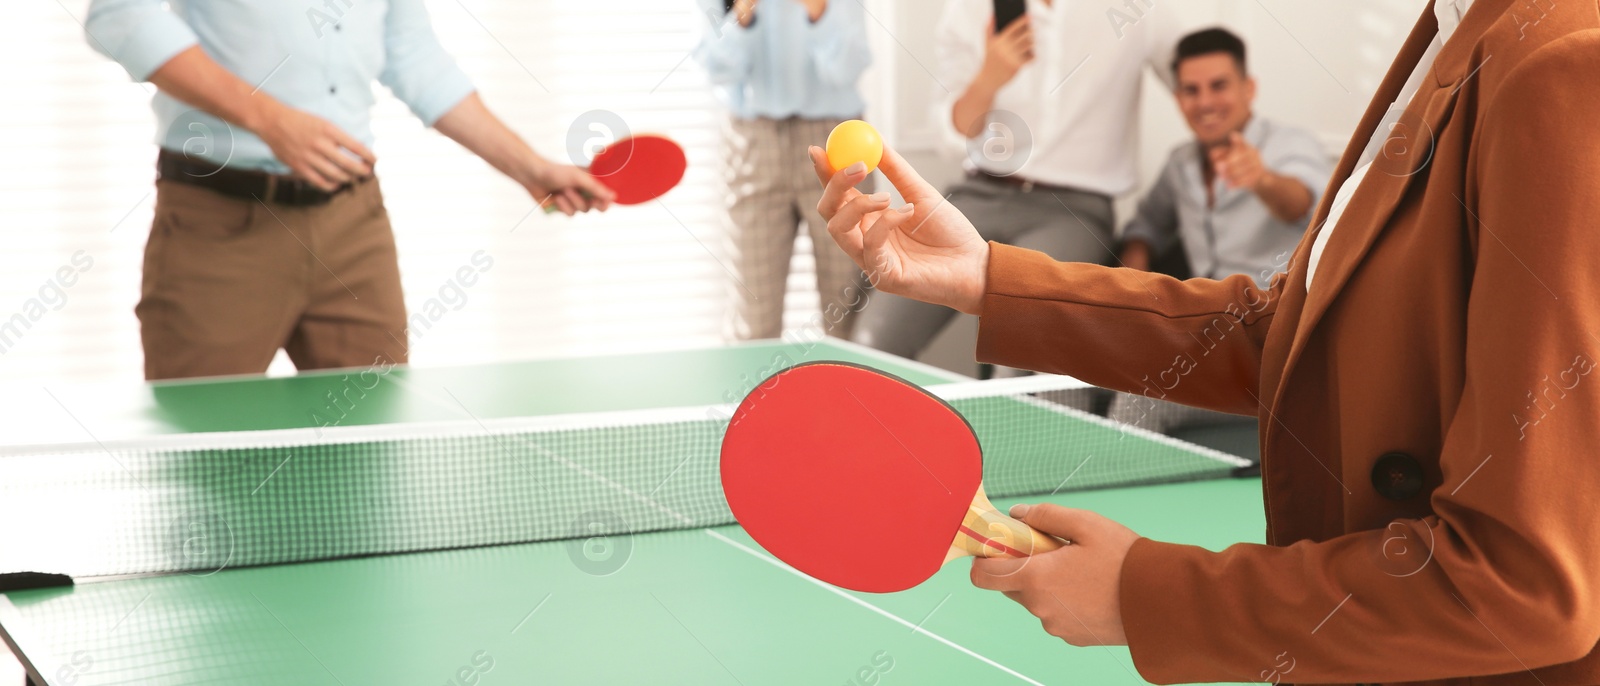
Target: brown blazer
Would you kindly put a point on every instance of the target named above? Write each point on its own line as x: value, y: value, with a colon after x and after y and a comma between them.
x: 1429, y: 427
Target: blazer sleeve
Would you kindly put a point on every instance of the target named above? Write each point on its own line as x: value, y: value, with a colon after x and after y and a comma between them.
x: 1196, y: 342
x: 1509, y: 575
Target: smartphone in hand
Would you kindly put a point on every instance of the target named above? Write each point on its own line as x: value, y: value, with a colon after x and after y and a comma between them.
x: 1007, y: 11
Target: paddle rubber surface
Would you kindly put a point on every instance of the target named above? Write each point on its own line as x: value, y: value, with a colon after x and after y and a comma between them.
x: 852, y: 476
x: 639, y: 168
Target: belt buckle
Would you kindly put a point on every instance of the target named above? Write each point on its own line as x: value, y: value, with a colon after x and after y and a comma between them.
x: 300, y: 193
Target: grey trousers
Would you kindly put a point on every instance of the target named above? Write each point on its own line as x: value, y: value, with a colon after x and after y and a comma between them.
x: 772, y: 192
x: 1070, y: 226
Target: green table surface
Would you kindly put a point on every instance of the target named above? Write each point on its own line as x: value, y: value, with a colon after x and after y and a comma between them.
x: 104, y: 412
x: 701, y: 606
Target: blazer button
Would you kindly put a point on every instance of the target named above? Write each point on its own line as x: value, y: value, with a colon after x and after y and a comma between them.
x: 1397, y: 476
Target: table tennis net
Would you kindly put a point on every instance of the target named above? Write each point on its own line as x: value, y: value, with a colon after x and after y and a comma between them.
x: 202, y: 502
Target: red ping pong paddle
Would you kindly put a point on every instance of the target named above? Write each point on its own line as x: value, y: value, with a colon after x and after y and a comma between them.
x: 862, y: 479
x: 638, y: 168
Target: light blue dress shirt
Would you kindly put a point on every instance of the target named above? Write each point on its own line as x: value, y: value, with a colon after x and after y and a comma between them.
x: 1236, y: 234
x: 784, y: 65
x: 318, y: 57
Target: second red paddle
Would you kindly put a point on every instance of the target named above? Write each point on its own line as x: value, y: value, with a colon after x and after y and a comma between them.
x: 638, y: 168
x: 862, y: 479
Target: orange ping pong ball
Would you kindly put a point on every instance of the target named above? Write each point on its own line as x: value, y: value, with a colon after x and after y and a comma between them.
x: 854, y: 141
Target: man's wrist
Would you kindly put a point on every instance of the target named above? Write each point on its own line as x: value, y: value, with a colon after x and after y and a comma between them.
x: 1266, y: 183
x: 259, y: 113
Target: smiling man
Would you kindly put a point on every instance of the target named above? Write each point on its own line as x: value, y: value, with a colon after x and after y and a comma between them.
x: 1238, y: 196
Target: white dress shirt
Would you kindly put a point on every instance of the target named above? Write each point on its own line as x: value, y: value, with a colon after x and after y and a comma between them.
x: 1449, y: 14
x: 1079, y: 96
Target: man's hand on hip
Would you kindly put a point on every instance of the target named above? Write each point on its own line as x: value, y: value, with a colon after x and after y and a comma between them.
x: 314, y: 148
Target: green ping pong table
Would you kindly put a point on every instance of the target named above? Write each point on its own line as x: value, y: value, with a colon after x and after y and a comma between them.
x: 690, y: 604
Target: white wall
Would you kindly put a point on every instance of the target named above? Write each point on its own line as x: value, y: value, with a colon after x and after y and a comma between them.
x: 1317, y: 63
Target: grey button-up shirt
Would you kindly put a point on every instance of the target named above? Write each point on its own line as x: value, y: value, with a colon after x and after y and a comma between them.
x: 1238, y: 235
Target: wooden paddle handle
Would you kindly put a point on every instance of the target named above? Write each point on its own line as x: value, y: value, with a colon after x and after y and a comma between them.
x: 985, y: 532
x: 552, y: 209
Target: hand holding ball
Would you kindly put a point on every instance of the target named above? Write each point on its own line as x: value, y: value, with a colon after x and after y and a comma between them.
x: 854, y: 141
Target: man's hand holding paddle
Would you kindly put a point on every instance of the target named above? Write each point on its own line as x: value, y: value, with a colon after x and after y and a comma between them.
x: 924, y: 249
x: 928, y: 250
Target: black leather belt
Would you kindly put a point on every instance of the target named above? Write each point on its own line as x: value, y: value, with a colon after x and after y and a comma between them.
x: 1028, y: 185
x: 241, y: 183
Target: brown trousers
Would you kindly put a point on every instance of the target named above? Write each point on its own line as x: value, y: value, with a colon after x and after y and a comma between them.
x: 229, y: 281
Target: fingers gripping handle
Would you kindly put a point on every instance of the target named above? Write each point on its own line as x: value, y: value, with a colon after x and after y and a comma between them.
x: 985, y: 532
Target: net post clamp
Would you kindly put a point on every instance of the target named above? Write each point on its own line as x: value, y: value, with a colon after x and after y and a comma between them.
x: 23, y: 581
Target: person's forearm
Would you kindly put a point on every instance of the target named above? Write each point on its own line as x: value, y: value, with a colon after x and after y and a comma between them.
x: 973, y: 106
x: 193, y: 77
x: 471, y: 124
x: 1286, y: 198
x: 1032, y: 303
x: 563, y: 187
x: 311, y: 147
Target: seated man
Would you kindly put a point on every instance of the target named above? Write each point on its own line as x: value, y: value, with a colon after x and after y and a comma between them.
x: 1238, y: 196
